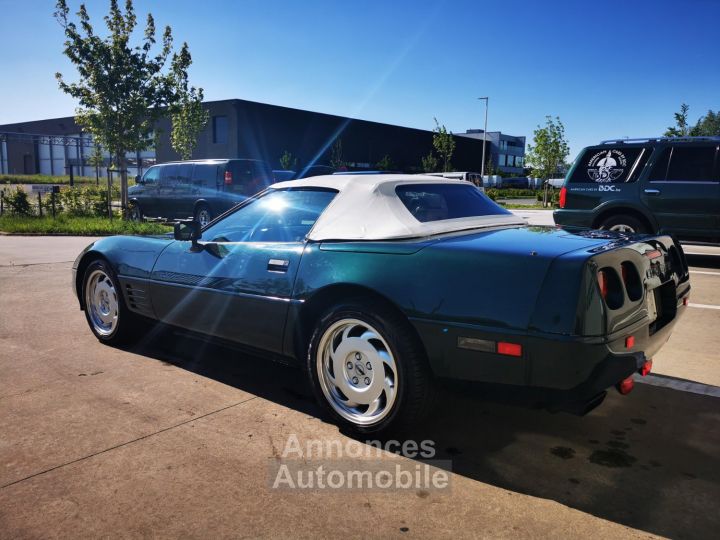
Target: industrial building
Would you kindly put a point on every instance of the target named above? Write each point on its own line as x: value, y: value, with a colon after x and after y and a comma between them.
x: 240, y: 128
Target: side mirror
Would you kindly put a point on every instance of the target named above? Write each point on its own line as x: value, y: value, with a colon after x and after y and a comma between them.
x: 138, y: 180
x: 188, y: 230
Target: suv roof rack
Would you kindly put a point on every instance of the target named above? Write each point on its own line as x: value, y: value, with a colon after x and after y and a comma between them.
x: 654, y: 139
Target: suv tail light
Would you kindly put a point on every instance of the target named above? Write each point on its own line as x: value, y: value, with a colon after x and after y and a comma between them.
x: 563, y: 196
x: 228, y: 178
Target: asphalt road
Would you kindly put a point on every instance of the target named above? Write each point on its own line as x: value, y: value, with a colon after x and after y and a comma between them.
x: 178, y: 437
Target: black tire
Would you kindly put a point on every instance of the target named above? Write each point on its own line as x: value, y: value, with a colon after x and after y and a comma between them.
x: 203, y: 214
x: 415, y: 384
x: 624, y: 223
x: 126, y: 328
x: 136, y: 213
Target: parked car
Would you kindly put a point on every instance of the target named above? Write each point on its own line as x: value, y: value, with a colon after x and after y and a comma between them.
x: 200, y: 189
x: 667, y: 185
x: 370, y: 283
x: 314, y: 170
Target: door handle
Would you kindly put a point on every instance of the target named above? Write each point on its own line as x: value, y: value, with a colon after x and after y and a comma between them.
x: 278, y: 265
x: 652, y: 191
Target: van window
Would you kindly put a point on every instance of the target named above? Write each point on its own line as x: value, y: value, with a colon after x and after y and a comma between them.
x: 205, y: 174
x: 184, y: 173
x: 688, y: 164
x: 152, y: 175
x: 610, y: 165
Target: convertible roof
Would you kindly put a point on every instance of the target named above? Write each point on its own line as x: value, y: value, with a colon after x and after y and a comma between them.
x: 367, y: 208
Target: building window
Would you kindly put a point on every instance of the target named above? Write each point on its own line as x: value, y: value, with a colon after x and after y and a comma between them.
x: 501, y: 160
x: 518, y: 161
x: 220, y: 129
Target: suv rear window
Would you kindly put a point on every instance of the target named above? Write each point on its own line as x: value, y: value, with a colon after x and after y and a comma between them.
x: 436, y: 202
x: 614, y: 165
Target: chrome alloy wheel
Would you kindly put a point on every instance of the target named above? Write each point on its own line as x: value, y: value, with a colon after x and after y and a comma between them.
x: 101, y: 303
x: 357, y: 372
x: 622, y: 228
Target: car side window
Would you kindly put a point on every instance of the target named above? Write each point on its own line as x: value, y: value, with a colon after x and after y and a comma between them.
x: 184, y: 173
x: 277, y: 216
x: 688, y: 164
x: 152, y: 175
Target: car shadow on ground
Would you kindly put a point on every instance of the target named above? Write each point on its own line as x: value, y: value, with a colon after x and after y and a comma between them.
x: 650, y: 460
x: 703, y: 261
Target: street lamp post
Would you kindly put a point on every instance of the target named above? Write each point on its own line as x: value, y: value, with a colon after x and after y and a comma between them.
x: 482, y: 167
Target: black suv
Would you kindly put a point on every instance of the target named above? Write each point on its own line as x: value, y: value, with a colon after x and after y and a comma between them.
x: 646, y: 185
x: 202, y: 189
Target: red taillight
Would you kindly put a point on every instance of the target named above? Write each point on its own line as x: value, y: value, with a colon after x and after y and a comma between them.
x: 629, y: 342
x: 563, y: 196
x: 653, y: 254
x: 603, y: 283
x: 626, y: 385
x: 228, y: 178
x: 646, y: 368
x: 686, y: 301
x: 509, y: 349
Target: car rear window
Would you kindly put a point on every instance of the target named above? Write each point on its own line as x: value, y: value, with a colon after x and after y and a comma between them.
x: 614, y: 165
x: 436, y: 202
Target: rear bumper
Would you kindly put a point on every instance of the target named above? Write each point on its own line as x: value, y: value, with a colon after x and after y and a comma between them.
x: 554, y: 371
x: 574, y: 218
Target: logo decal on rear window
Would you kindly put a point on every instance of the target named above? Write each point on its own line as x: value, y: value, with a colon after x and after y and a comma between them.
x: 606, y: 166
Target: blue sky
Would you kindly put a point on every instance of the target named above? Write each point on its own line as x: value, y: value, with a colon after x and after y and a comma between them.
x: 608, y: 69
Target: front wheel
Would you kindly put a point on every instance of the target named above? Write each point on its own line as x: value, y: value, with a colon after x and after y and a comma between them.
x: 136, y: 213
x: 368, y: 368
x: 624, y: 223
x: 107, y: 315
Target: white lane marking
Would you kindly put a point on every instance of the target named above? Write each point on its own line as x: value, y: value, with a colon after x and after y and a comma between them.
x: 706, y: 273
x: 703, y: 306
x: 679, y: 384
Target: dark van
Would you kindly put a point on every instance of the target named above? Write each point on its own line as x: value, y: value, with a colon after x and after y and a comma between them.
x: 658, y: 185
x: 201, y: 189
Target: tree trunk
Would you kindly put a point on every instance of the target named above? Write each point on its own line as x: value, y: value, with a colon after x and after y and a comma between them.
x: 122, y: 165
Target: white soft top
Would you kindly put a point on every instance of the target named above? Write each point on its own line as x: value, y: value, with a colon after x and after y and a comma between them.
x: 367, y: 208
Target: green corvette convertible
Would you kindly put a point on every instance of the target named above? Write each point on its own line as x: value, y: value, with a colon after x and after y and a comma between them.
x: 379, y: 285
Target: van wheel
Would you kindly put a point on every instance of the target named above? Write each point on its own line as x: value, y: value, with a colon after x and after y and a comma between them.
x: 203, y: 215
x: 624, y: 223
x: 136, y: 213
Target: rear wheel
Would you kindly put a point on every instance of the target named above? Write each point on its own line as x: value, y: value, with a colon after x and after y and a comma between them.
x: 624, y: 223
x: 136, y: 213
x: 368, y: 369
x: 105, y: 310
x: 203, y: 215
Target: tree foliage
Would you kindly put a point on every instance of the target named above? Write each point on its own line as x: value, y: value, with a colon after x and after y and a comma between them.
x: 549, y: 149
x: 122, y: 90
x: 708, y: 125
x: 288, y: 162
x: 429, y: 163
x: 681, y: 127
x: 444, y: 144
x: 386, y: 164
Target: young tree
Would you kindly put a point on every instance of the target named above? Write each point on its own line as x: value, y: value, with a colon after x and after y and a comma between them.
x: 429, y: 163
x: 122, y: 90
x: 336, y: 155
x: 681, y: 127
x: 97, y: 160
x: 549, y: 150
x: 444, y: 143
x: 386, y: 164
x: 288, y: 162
x: 187, y: 114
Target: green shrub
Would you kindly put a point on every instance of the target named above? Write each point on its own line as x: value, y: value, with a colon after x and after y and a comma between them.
x: 45, y: 179
x: 492, y: 193
x: 87, y: 201
x: 17, y: 202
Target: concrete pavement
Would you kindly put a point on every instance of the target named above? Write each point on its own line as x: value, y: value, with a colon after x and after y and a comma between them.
x: 176, y: 437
